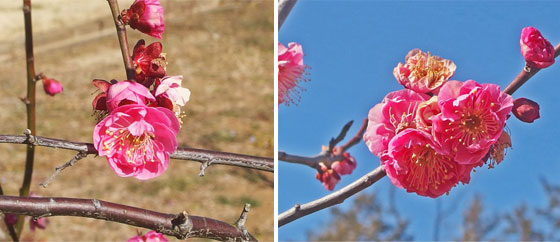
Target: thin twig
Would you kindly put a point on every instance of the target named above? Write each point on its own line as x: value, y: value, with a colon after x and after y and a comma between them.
x: 59, y: 168
x: 369, y: 179
x: 182, y: 153
x: 179, y: 225
x: 10, y: 227
x: 284, y: 8
x: 240, y: 223
x: 123, y: 41
x: 30, y: 106
x: 332, y: 199
x: 326, y: 157
x: 341, y: 135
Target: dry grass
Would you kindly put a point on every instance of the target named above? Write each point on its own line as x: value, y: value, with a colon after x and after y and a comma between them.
x: 224, y: 50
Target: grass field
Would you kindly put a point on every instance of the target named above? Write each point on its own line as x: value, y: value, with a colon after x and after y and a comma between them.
x: 224, y: 50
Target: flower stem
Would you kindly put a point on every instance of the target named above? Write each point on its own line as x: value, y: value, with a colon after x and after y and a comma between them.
x: 123, y: 41
x: 30, y: 106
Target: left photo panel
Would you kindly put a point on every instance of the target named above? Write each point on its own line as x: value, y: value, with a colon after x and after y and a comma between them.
x: 137, y: 120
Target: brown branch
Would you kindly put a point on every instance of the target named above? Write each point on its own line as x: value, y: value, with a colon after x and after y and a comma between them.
x: 369, y: 179
x: 10, y: 227
x: 30, y: 106
x: 182, y: 153
x: 332, y: 199
x: 326, y: 156
x: 59, y: 168
x: 179, y: 225
x: 123, y: 41
x: 284, y: 8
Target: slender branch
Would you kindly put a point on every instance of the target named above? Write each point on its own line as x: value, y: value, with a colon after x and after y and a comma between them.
x: 332, y: 199
x: 369, y: 179
x: 10, y: 227
x: 284, y: 8
x: 123, y: 41
x: 179, y: 225
x: 59, y: 168
x: 326, y: 157
x: 526, y: 74
x: 182, y: 153
x: 341, y: 135
x: 30, y: 106
x: 240, y: 223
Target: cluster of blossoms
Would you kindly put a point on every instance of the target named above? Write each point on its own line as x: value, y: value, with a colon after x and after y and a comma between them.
x: 140, y: 119
x: 151, y: 236
x: 329, y: 172
x: 290, y: 71
x: 430, y: 135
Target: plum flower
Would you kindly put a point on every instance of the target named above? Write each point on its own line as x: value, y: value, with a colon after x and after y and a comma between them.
x: 327, y: 176
x: 526, y: 110
x: 536, y: 50
x: 151, y: 236
x: 290, y: 70
x: 137, y: 140
x: 416, y: 163
x: 472, y: 119
x: 145, y: 16
x: 427, y: 110
x: 498, y: 150
x: 344, y: 166
x: 396, y: 113
x: 10, y: 218
x: 40, y: 223
x: 423, y: 72
x: 127, y: 92
x: 51, y: 86
x: 170, y: 94
x: 149, y: 62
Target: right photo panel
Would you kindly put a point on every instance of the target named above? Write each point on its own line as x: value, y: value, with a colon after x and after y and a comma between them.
x: 418, y: 120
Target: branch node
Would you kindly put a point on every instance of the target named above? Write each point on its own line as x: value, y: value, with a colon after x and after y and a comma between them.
x: 31, y: 140
x: 527, y: 69
x: 240, y: 223
x: 205, y: 165
x: 182, y: 224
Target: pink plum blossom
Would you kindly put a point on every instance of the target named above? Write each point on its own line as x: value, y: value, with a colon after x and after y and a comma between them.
x: 327, y: 176
x: 127, y: 92
x: 290, y: 70
x: 417, y: 163
x: 394, y: 114
x: 145, y: 16
x: 170, y: 88
x: 536, y: 50
x: 472, y: 119
x: 423, y: 72
x: 526, y: 110
x: 151, y: 236
x: 426, y: 111
x: 137, y: 140
x: 344, y: 166
x: 51, y: 86
x: 10, y: 218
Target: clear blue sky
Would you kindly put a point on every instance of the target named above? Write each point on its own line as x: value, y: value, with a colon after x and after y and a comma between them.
x: 352, y: 48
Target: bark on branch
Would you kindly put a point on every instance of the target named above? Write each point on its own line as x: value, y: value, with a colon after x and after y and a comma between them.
x: 179, y: 225
x: 123, y: 41
x: 182, y: 153
x: 284, y: 8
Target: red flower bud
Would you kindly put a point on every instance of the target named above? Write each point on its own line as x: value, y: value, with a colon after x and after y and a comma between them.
x: 52, y: 86
x: 526, y: 110
x: 536, y: 50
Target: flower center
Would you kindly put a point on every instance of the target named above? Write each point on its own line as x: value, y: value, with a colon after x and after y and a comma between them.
x: 138, y: 149
x: 427, y: 168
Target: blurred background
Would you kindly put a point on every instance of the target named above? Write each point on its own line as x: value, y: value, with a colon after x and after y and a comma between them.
x: 224, y: 50
x: 352, y: 48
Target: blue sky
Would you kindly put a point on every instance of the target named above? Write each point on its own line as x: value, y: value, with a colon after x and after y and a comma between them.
x: 352, y: 48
